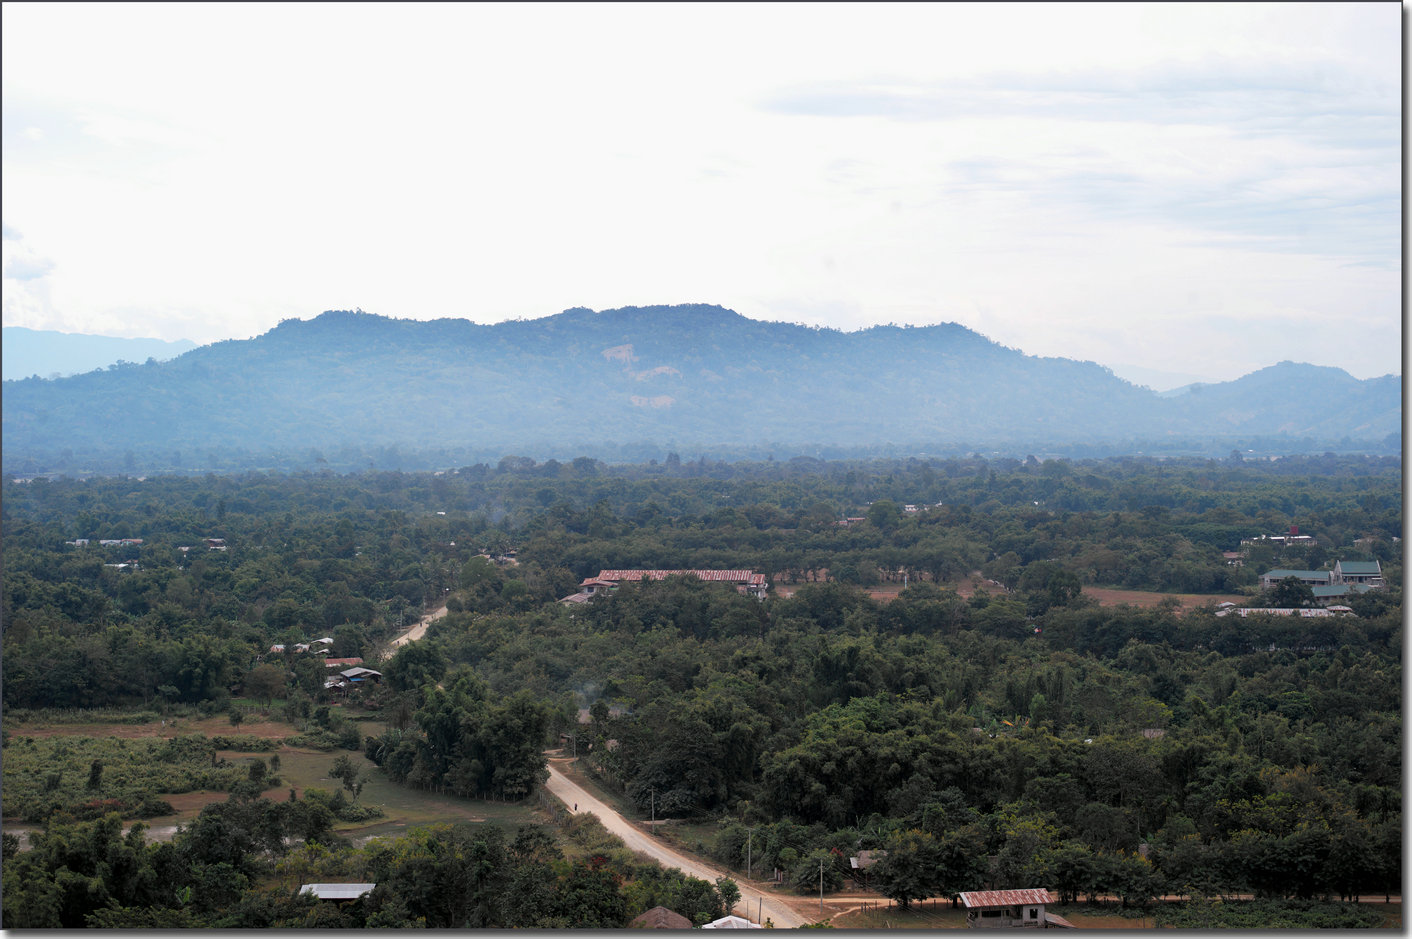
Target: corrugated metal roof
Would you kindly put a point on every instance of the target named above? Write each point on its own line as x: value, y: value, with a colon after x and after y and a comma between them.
x: 731, y: 922
x: 337, y: 891
x: 1360, y: 567
x: 977, y: 898
x: 748, y: 577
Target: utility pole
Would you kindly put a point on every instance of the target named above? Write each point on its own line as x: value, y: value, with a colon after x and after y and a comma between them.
x: 821, y: 886
x: 749, y: 846
x: 654, y: 811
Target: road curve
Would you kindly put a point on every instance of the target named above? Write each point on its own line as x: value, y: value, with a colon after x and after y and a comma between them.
x: 572, y: 794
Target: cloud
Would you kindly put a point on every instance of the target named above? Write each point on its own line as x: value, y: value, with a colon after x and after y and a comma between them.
x: 27, y: 300
x: 20, y: 260
x: 1212, y: 90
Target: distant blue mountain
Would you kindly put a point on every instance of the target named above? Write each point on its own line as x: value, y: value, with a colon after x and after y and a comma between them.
x: 50, y: 354
x: 350, y: 389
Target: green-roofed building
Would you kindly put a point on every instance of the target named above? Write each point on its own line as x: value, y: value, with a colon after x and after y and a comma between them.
x: 1312, y: 578
x: 1334, y: 591
x: 1358, y: 572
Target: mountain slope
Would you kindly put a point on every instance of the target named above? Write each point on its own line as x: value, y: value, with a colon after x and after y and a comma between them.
x: 690, y: 376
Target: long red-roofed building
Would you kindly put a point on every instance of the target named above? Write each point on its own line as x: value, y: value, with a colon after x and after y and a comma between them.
x: 746, y: 582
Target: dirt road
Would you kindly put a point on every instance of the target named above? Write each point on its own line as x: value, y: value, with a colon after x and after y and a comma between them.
x: 753, y: 902
x: 571, y: 794
x: 415, y: 633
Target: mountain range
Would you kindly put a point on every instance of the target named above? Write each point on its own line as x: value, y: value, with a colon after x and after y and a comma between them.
x: 350, y: 389
x: 50, y: 354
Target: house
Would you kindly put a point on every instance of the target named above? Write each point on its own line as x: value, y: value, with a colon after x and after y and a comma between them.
x: 343, y: 663
x: 360, y: 674
x: 659, y: 917
x: 215, y: 544
x: 337, y: 891
x: 1312, y: 578
x: 746, y: 582
x: 986, y: 909
x: 1281, y: 541
x: 1358, y: 572
x: 1338, y: 591
x: 732, y: 922
x: 862, y: 862
x: 1281, y: 611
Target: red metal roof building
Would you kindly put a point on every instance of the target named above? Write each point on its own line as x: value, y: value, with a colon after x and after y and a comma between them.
x: 1010, y: 908
x: 747, y: 582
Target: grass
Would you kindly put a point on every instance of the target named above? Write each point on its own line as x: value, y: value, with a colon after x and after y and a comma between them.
x: 403, y: 806
x: 52, y: 773
x: 923, y: 914
x: 48, y: 742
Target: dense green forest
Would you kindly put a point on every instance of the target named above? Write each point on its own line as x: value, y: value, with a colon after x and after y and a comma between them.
x: 1016, y: 735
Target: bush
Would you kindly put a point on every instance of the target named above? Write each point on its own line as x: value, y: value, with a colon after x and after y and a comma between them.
x: 153, y: 807
x: 805, y: 875
x: 316, y: 740
x: 1267, y: 914
x: 339, y: 806
x: 245, y: 743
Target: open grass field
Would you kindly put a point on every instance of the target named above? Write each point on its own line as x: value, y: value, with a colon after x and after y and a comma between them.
x: 300, y: 769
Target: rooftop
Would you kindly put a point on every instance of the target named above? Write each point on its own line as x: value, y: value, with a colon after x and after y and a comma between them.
x: 337, y: 891
x: 978, y: 898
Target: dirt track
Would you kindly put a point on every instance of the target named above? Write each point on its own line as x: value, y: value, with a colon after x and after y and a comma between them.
x: 572, y: 794
x: 415, y: 633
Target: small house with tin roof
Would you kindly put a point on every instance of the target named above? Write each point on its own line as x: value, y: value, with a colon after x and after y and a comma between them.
x: 1004, y: 909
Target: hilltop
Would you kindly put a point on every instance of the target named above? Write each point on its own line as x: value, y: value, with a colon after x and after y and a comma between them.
x: 351, y: 388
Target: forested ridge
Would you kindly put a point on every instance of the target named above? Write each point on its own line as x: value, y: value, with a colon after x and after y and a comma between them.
x: 349, y: 390
x: 1020, y: 735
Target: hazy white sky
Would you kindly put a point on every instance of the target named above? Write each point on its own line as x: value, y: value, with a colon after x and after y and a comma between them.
x: 1200, y: 189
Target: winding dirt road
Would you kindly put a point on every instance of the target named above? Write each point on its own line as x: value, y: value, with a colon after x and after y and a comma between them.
x: 755, y: 903
x: 571, y: 794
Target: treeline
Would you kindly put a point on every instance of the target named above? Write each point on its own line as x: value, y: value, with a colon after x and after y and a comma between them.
x: 1022, y: 724
x: 1257, y: 755
x: 469, y: 743
x: 240, y: 863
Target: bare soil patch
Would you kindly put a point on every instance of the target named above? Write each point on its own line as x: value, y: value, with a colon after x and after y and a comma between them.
x: 1112, y: 596
x: 1105, y: 596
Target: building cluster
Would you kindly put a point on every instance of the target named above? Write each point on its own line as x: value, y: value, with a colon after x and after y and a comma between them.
x: 313, y: 646
x: 1347, y: 578
x: 353, y: 679
x: 746, y: 582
